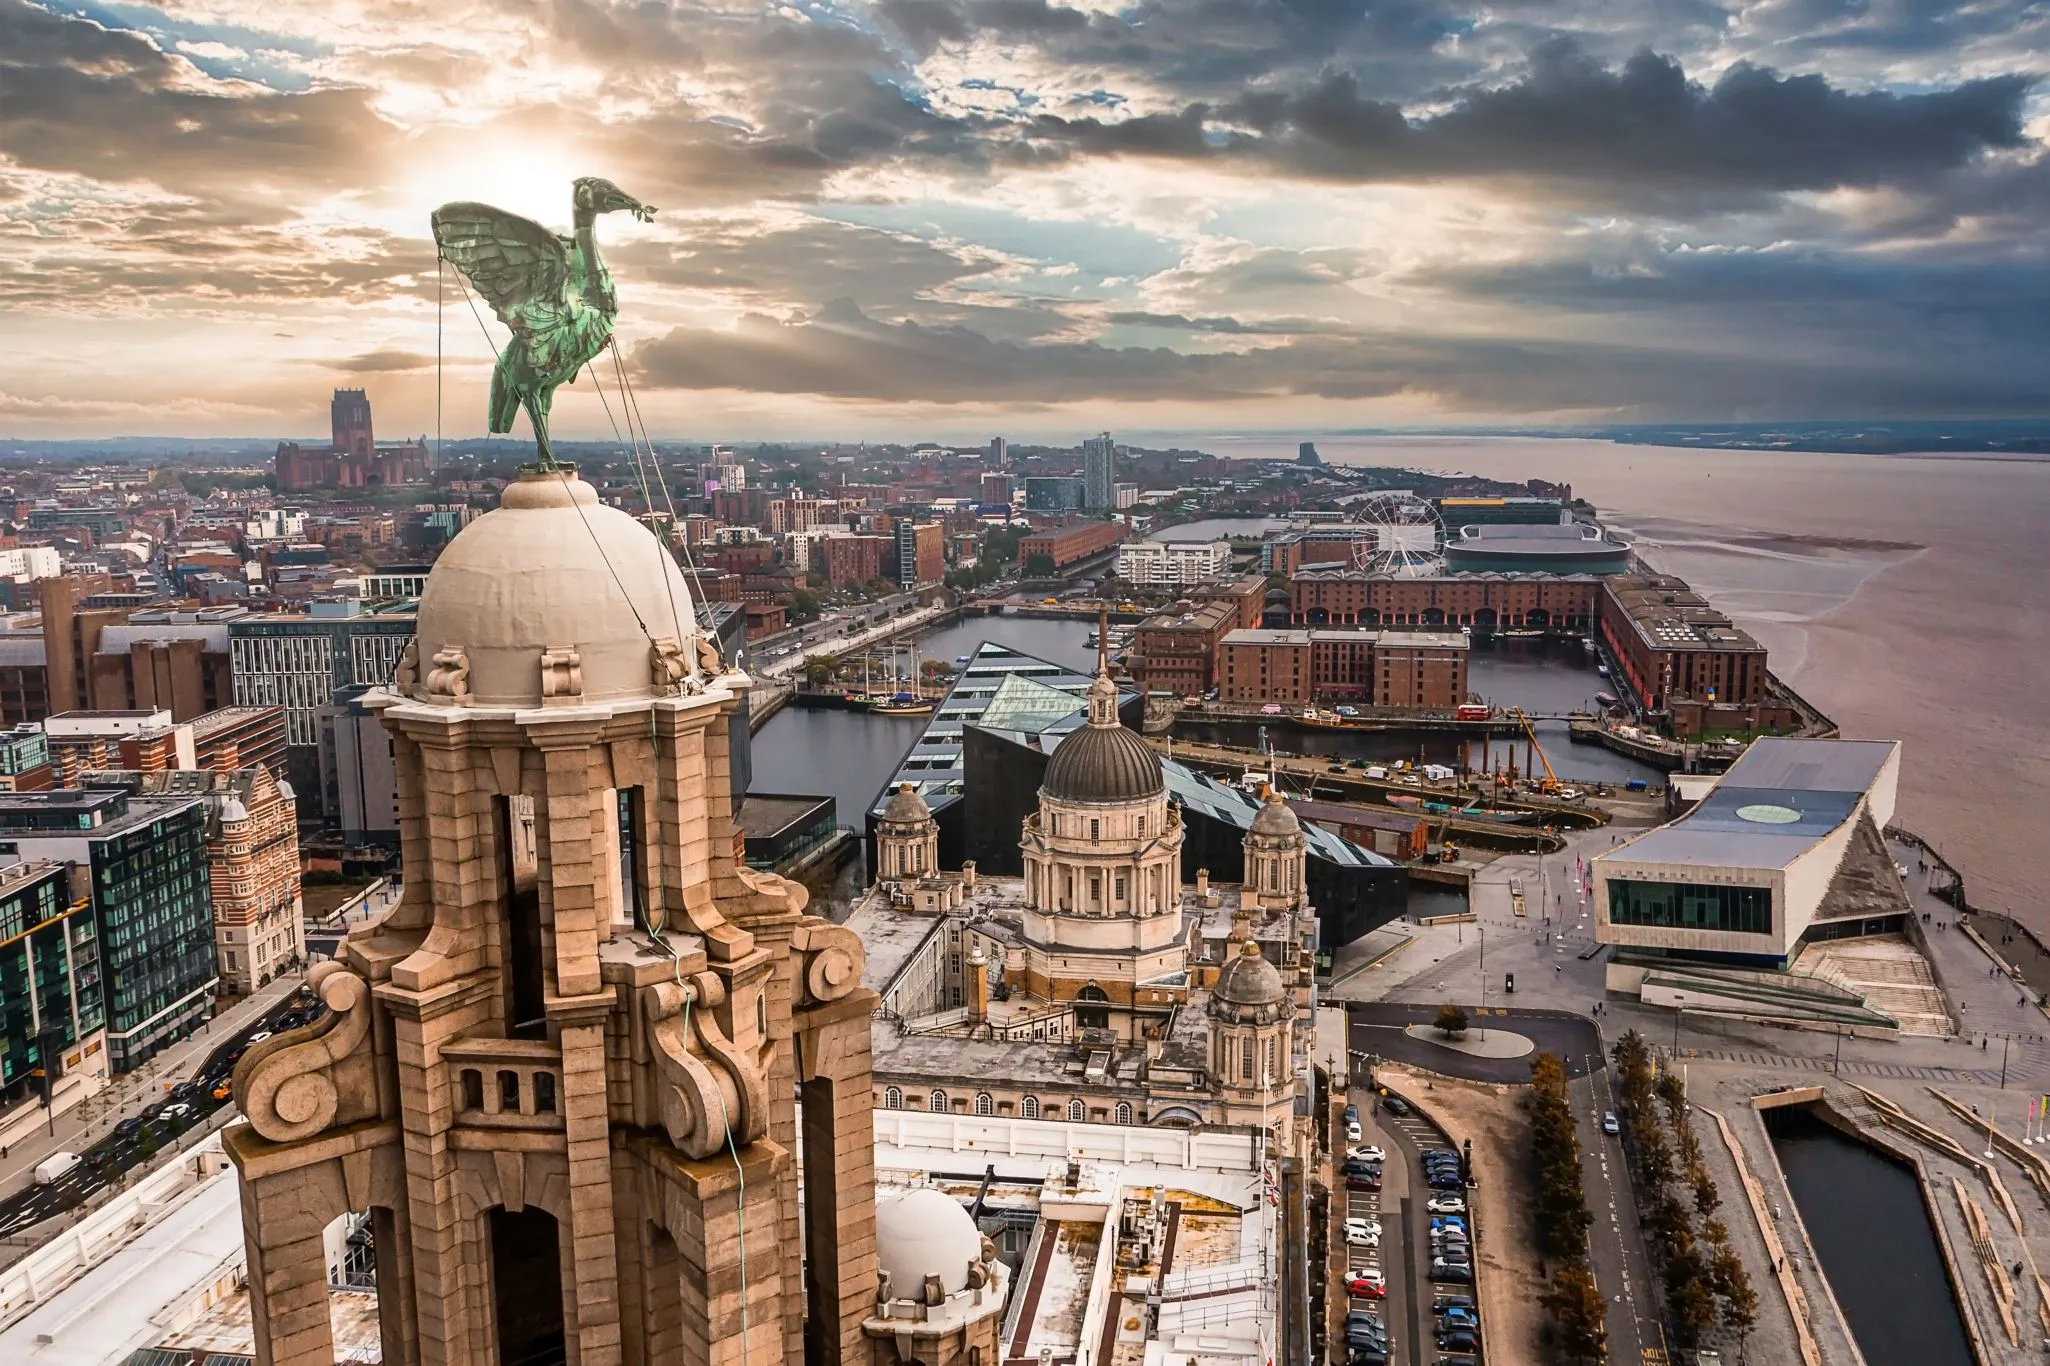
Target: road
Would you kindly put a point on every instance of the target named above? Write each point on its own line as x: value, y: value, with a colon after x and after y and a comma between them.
x: 1377, y: 1027
x: 1616, y: 1250
x: 132, y: 1139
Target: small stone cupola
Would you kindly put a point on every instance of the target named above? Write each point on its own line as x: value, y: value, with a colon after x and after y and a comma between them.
x: 1276, y: 858
x: 907, y: 838
x: 1252, y: 1019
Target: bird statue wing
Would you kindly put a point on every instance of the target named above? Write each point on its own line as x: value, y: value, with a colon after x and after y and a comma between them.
x: 513, y: 261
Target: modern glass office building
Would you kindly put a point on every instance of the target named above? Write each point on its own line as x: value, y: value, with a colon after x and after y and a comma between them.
x: 152, y: 903
x: 49, y: 975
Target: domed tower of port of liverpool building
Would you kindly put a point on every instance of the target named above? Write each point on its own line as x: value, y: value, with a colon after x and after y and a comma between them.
x: 1102, y: 856
x: 563, y: 1073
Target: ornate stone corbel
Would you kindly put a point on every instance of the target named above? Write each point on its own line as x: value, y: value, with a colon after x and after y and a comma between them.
x: 667, y: 664
x: 708, y: 1085
x: 318, y: 1076
x: 450, y: 676
x: 831, y: 958
x: 709, y: 663
x: 406, y: 676
x: 562, y: 676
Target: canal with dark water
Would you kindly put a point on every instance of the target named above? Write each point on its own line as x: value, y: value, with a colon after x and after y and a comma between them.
x: 850, y: 755
x: 1865, y: 1217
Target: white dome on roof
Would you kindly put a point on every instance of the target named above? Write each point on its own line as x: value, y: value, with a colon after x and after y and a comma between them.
x: 551, y: 568
x: 925, y: 1232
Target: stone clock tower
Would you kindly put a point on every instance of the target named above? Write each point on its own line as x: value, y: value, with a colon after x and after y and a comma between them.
x: 565, y: 1073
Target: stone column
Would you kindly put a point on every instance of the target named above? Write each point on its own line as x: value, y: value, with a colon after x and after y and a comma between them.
x: 282, y: 1236
x: 832, y: 1043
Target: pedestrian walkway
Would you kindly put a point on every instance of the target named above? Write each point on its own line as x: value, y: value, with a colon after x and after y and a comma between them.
x: 129, y: 1092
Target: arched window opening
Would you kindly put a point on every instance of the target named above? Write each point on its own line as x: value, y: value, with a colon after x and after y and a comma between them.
x: 1028, y: 1108
x: 893, y: 1099
x: 938, y: 1102
x: 984, y: 1105
x: 1077, y: 1112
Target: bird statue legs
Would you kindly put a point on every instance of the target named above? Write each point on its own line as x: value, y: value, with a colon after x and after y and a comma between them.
x: 537, y: 413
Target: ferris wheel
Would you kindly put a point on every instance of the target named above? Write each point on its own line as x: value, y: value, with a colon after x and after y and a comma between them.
x: 1400, y: 534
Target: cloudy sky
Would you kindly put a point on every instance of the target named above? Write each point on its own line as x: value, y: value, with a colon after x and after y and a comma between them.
x: 945, y: 218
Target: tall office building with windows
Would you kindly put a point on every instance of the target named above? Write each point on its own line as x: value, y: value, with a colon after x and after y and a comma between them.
x: 999, y: 453
x: 152, y: 900
x: 1099, y: 472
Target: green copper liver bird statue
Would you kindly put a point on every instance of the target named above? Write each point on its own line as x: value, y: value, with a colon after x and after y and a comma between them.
x: 552, y: 291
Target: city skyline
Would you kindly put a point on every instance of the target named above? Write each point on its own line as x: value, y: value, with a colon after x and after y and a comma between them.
x: 1035, y: 218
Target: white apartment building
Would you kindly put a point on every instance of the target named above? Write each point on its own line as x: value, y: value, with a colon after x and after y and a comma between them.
x: 31, y: 562
x: 1173, y: 564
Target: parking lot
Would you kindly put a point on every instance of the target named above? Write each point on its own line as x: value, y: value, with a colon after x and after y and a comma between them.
x: 1397, y: 1309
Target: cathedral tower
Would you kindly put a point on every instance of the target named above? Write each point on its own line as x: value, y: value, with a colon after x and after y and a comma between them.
x: 563, y: 1073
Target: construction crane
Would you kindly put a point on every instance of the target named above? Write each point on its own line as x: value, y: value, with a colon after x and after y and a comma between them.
x: 1551, y: 783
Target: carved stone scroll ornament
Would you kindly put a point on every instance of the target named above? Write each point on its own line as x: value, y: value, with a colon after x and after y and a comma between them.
x: 406, y: 676
x: 709, y: 663
x: 708, y: 1089
x: 667, y: 664
x: 832, y: 958
x: 450, y: 676
x: 316, y: 1077
x: 562, y: 676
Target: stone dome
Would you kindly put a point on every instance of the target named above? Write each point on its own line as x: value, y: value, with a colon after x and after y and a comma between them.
x: 906, y: 807
x: 1103, y: 761
x: 552, y: 567
x: 1275, y: 819
x: 925, y: 1232
x: 1249, y: 980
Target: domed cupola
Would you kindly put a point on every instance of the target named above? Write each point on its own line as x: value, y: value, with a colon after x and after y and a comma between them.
x: 553, y: 597
x: 1103, y: 761
x: 1249, y: 988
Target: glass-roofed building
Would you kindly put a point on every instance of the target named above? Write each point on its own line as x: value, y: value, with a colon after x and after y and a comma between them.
x: 980, y: 761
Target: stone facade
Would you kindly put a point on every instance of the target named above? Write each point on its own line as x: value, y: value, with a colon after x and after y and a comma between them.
x: 569, y: 1092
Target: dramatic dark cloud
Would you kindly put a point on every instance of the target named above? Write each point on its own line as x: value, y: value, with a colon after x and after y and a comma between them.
x: 110, y: 105
x: 1639, y: 131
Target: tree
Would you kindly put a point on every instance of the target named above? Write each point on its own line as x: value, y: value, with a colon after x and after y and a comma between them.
x: 1039, y: 566
x: 804, y: 606
x: 1575, y: 1303
x: 1451, y: 1019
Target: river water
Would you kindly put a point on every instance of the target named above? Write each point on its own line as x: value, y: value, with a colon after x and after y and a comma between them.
x: 1865, y: 1217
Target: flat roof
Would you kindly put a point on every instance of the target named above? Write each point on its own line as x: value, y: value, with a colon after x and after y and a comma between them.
x: 764, y: 815
x: 1774, y: 804
x: 1669, y: 615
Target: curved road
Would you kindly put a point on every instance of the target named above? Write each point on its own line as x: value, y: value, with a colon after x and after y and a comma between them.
x: 1377, y: 1027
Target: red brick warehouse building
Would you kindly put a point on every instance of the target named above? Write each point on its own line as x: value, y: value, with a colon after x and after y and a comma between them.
x: 1064, y: 545
x: 1342, y: 596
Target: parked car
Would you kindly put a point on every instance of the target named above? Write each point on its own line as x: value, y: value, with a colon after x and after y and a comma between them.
x: 1359, y: 1237
x: 1442, y: 1270
x: 1363, y: 1165
x: 1367, y: 1152
x: 1445, y: 1302
x: 1609, y: 1124
x: 129, y: 1127
x: 1367, y: 1285
x: 1352, y: 1131
x: 1352, y: 1114
x: 1370, y: 1225
x: 178, y: 1112
x: 1458, y: 1342
x: 1446, y: 1204
x: 1395, y: 1105
x: 1363, y: 1181
x: 1445, y: 1181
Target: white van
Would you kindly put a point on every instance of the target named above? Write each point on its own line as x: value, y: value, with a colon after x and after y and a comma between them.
x: 54, y: 1167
